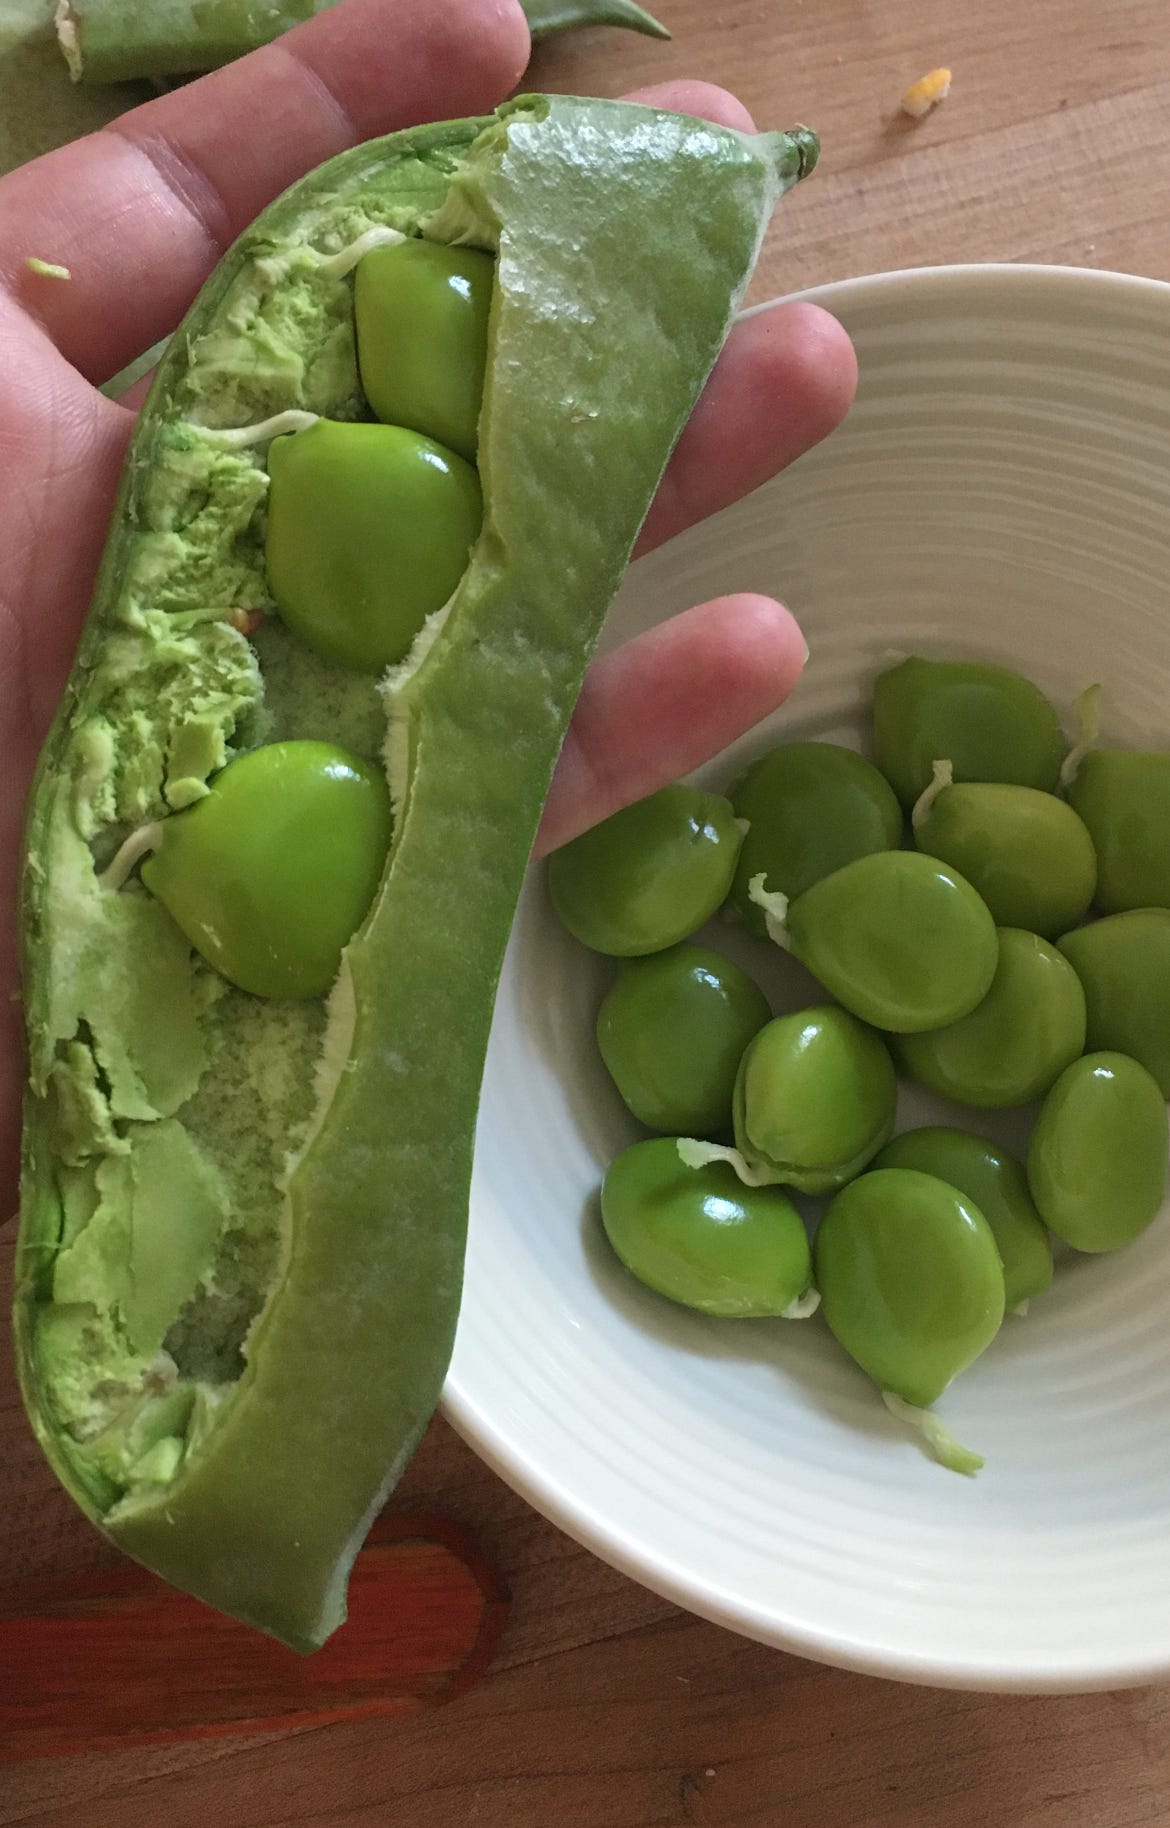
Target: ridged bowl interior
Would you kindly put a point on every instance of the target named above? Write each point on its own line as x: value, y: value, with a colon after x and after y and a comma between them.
x: 1001, y: 490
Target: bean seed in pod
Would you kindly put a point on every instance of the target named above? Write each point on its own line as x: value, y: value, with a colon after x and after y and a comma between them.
x: 370, y: 528
x: 995, y: 1181
x: 811, y: 808
x: 271, y: 874
x: 1013, y: 1044
x: 910, y: 1280
x: 902, y: 940
x: 672, y: 1030
x: 421, y: 314
x: 814, y: 1099
x: 1123, y: 963
x: 648, y: 876
x: 1097, y: 1158
x: 1026, y: 853
x: 700, y: 1237
x: 1123, y: 796
x: 991, y: 724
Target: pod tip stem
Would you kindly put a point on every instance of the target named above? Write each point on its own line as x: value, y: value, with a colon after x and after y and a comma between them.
x: 795, y: 153
x: 808, y: 148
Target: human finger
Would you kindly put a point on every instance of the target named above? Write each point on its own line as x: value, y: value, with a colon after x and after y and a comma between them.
x: 668, y: 701
x: 785, y: 379
x: 140, y: 212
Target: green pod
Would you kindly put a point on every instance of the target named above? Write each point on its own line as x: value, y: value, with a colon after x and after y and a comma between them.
x: 1123, y: 796
x: 814, y: 1099
x: 1097, y: 1156
x: 1012, y: 1045
x: 996, y: 1183
x: 1124, y: 967
x: 548, y: 16
x: 700, y: 1237
x: 303, y: 1168
x: 810, y: 809
x: 988, y: 722
x: 111, y: 41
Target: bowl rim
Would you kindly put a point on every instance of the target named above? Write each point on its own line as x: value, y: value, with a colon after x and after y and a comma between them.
x: 1096, y: 1669
x: 977, y: 275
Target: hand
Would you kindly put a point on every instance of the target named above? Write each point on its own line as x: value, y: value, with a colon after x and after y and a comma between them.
x: 141, y: 212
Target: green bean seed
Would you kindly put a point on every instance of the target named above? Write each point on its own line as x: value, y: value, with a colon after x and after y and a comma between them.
x: 649, y: 875
x: 672, y: 1030
x: 811, y: 808
x: 1026, y: 853
x: 272, y: 873
x: 700, y: 1237
x: 1016, y: 1042
x: 900, y: 939
x: 814, y: 1098
x: 1097, y: 1158
x: 1124, y: 967
x: 991, y: 724
x: 369, y: 531
x: 421, y: 313
x: 910, y: 1280
x: 1123, y: 796
x: 995, y: 1181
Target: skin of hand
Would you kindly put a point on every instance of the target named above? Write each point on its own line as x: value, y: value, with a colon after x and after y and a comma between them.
x: 141, y: 211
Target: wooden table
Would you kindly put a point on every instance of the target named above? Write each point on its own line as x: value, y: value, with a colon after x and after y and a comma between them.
x: 606, y: 1707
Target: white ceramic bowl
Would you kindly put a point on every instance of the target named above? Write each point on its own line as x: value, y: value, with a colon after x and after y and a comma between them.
x: 1001, y: 490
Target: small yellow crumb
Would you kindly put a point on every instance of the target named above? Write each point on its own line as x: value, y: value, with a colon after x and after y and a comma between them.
x: 47, y: 269
x: 926, y: 93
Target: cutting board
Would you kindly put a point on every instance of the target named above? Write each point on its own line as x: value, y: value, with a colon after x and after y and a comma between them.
x: 114, y: 1658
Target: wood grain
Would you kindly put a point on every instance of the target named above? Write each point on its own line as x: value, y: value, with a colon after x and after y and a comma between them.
x: 87, y: 1662
x: 607, y: 1708
x: 1054, y: 144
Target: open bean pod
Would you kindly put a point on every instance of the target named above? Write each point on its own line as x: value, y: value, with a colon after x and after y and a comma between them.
x: 243, y: 1215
